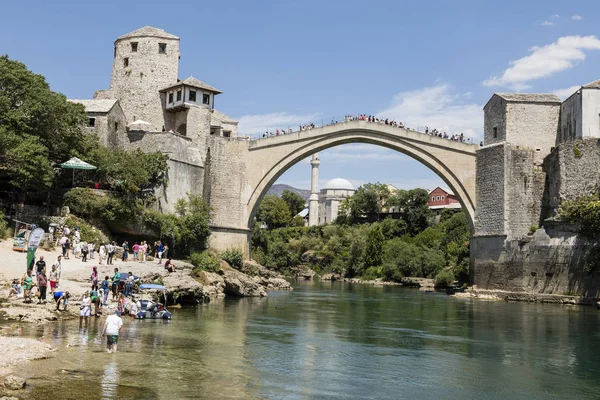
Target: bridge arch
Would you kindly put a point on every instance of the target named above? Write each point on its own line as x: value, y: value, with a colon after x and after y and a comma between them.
x: 259, y: 163
x: 446, y: 172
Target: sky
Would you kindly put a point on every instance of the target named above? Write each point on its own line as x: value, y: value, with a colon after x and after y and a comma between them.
x: 285, y: 63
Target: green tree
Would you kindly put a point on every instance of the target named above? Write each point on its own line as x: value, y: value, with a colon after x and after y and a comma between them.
x: 373, y: 250
x: 274, y: 212
x: 366, y: 203
x: 294, y: 201
x: 38, y: 128
x: 413, y: 207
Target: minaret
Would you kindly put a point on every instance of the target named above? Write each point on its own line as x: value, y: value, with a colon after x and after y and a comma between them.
x: 313, y: 205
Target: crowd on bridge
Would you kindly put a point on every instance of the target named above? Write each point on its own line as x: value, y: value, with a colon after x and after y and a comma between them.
x: 374, y: 119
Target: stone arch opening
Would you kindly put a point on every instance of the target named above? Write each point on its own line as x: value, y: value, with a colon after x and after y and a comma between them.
x: 433, y: 162
x: 182, y: 129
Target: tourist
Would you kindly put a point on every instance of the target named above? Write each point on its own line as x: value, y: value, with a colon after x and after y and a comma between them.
x: 84, y: 251
x: 105, y: 290
x: 125, y: 251
x: 129, y: 284
x: 40, y: 266
x: 42, y: 282
x: 94, y: 277
x: 112, y: 328
x: 27, y: 286
x: 169, y: 266
x: 61, y: 296
x: 159, y: 250
x: 86, y: 308
x: 165, y: 251
x: 144, y: 251
x: 95, y: 300
x: 116, y: 281
x: 111, y: 252
x: 53, y: 276
x: 154, y: 251
x: 67, y: 249
x: 91, y: 250
x: 136, y: 249
x: 121, y: 303
x: 15, y: 289
x: 101, y: 253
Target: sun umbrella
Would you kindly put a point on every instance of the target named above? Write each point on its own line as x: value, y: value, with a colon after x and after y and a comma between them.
x: 139, y: 125
x: 75, y: 163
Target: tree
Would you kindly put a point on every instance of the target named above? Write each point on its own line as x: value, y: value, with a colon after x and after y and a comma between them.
x: 38, y: 128
x: 413, y: 207
x: 294, y: 201
x: 274, y: 212
x: 366, y: 203
x: 374, y: 246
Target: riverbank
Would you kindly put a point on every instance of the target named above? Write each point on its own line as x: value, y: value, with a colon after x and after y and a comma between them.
x: 528, y: 297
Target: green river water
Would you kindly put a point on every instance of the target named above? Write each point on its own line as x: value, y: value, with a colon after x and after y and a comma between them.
x: 331, y: 341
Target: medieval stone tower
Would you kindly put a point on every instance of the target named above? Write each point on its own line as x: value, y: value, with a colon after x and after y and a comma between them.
x: 145, y: 61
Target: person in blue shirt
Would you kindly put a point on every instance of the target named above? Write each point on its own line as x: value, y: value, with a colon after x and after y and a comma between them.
x: 105, y: 289
x: 61, y: 296
x: 159, y: 249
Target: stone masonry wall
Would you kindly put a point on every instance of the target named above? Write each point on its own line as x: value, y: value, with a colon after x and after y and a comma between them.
x: 533, y: 126
x: 489, y: 212
x: 573, y: 171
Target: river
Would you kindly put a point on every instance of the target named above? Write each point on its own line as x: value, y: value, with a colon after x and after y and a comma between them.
x: 331, y: 341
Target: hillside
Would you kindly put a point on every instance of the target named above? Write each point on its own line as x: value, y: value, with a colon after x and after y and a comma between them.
x: 278, y: 189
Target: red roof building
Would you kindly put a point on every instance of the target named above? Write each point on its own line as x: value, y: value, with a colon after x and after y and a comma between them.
x: 440, y: 198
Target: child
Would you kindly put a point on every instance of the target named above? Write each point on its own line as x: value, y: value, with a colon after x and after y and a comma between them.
x: 53, y: 279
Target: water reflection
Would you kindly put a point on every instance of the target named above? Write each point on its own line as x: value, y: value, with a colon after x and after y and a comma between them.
x: 110, y: 380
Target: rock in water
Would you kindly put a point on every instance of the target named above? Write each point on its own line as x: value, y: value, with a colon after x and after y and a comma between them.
x: 14, y: 382
x: 241, y: 285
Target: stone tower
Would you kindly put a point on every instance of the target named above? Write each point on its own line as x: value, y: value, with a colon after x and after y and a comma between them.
x: 313, y: 205
x: 145, y: 61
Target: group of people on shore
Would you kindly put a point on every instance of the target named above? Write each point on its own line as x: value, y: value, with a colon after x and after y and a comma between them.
x: 374, y: 119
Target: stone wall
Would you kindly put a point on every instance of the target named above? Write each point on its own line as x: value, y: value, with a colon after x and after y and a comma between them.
x: 553, y: 262
x: 489, y: 182
x: 494, y: 117
x: 533, y: 126
x: 573, y: 171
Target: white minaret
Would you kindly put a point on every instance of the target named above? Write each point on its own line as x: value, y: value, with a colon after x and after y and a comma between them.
x: 313, y: 203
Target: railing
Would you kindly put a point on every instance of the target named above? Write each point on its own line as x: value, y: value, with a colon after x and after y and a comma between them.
x: 274, y: 131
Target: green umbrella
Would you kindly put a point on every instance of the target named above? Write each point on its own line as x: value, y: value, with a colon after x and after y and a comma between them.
x: 75, y: 163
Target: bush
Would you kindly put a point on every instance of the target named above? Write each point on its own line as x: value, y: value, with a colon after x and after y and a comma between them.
x: 234, y: 257
x: 3, y: 226
x: 205, y: 262
x: 89, y: 233
x: 444, y: 279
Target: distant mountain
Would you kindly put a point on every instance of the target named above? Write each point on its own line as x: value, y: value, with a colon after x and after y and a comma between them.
x: 278, y: 189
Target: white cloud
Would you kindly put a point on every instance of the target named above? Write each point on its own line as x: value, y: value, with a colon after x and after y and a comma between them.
x: 576, y: 17
x: 437, y: 107
x: 555, y: 16
x: 547, y: 23
x: 258, y: 124
x: 566, y: 92
x: 545, y: 61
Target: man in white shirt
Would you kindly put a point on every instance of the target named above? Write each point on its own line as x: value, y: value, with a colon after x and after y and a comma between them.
x: 112, y: 328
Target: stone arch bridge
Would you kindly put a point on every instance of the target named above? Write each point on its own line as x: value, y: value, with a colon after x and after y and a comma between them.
x: 239, y: 173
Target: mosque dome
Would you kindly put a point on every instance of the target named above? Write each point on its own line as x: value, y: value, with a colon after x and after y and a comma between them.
x: 339, y: 183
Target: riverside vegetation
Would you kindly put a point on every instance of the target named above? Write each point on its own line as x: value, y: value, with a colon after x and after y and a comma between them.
x: 365, y: 241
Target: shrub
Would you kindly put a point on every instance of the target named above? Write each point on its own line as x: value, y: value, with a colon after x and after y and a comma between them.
x: 89, y: 233
x: 3, y: 226
x: 205, y: 262
x: 234, y: 257
x: 444, y: 278
x: 533, y: 229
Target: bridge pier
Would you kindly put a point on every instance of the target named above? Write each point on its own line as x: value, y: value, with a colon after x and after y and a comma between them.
x: 222, y: 239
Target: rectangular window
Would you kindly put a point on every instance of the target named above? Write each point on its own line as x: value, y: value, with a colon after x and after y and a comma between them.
x: 162, y: 48
x: 206, y: 98
x: 170, y: 97
x: 126, y: 62
x: 495, y: 132
x: 226, y: 133
x: 192, y: 95
x: 179, y: 95
x: 92, y: 122
x: 134, y: 47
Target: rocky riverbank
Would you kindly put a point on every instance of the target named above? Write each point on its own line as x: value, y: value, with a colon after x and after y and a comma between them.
x: 529, y: 297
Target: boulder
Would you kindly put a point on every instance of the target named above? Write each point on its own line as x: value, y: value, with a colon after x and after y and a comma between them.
x: 304, y: 272
x: 273, y: 283
x: 253, y: 268
x: 241, y: 285
x: 332, y: 277
x: 14, y: 382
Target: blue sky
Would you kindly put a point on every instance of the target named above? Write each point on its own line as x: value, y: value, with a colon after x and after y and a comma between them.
x: 281, y: 63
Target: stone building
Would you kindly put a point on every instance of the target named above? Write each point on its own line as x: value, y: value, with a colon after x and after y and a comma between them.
x: 180, y: 115
x: 330, y: 197
x: 580, y: 114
